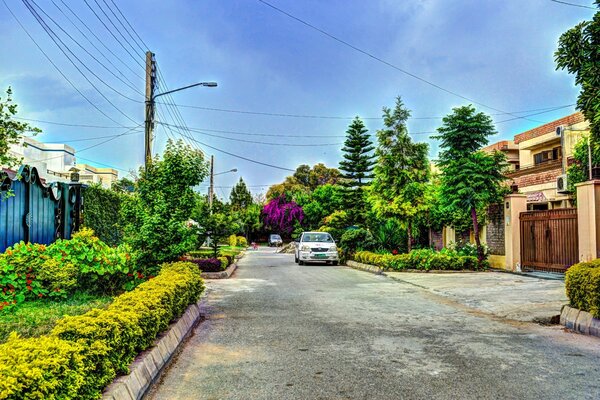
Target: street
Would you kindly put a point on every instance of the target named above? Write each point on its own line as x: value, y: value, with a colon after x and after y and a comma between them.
x: 276, y: 330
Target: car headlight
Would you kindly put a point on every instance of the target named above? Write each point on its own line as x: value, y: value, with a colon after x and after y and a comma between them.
x: 333, y: 248
x: 305, y: 248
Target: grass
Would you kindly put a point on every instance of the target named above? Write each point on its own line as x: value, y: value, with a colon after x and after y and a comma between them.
x: 37, y: 318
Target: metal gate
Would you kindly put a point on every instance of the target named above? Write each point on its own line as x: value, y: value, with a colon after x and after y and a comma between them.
x: 549, y: 239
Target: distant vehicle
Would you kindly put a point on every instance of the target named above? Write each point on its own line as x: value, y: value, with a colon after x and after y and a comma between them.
x: 275, y: 240
x: 316, y: 246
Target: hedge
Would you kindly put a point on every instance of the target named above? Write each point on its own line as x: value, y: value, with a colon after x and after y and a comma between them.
x: 85, y: 353
x: 419, y: 259
x: 582, y: 283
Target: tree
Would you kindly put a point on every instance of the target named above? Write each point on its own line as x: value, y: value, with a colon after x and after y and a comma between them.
x: 471, y: 180
x: 356, y: 167
x: 323, y: 201
x: 240, y: 197
x: 578, y: 53
x: 281, y: 215
x: 579, y: 170
x: 158, y: 212
x: 102, y: 213
x: 401, y: 172
x: 11, y: 131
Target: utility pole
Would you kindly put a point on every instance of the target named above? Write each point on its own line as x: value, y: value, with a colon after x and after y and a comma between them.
x: 149, y: 122
x: 211, y: 189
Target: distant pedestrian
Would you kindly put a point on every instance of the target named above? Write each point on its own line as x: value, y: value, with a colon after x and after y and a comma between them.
x: 254, y: 246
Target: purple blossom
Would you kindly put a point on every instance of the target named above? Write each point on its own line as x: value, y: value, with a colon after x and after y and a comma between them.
x: 280, y: 215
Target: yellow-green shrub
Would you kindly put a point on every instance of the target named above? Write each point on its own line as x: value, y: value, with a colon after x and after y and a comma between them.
x: 40, y: 368
x: 582, y: 283
x: 422, y: 259
x: 224, y: 262
x: 232, y: 240
x: 242, y: 242
x: 101, y: 343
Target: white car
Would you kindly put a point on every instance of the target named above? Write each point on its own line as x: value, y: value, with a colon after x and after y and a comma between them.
x: 316, y: 246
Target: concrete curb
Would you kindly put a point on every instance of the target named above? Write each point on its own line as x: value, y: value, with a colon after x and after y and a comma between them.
x: 147, y: 366
x: 365, y: 267
x: 580, y: 321
x: 220, y: 275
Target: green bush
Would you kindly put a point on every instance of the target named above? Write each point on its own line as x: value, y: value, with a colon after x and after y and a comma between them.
x: 582, y: 283
x: 242, y: 242
x: 84, y: 353
x: 422, y: 259
x: 356, y: 239
x: 232, y: 240
x: 102, y: 213
x: 225, y: 262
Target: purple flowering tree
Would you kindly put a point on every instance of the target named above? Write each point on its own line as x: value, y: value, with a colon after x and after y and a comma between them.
x: 280, y: 215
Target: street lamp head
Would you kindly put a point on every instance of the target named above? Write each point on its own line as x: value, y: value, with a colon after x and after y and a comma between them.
x: 209, y: 84
x: 234, y: 170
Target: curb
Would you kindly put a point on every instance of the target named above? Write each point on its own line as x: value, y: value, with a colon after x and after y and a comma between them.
x: 220, y: 275
x: 580, y: 321
x: 148, y: 365
x: 365, y: 267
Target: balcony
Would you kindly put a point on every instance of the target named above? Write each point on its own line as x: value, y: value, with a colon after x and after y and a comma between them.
x: 536, y: 168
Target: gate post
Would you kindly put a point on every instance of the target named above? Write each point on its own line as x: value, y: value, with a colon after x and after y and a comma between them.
x: 514, y: 205
x: 588, y: 219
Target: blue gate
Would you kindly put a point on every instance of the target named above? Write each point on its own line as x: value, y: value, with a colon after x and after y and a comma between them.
x: 35, y: 212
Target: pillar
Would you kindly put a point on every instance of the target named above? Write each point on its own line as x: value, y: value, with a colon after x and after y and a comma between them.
x: 514, y: 205
x: 588, y: 219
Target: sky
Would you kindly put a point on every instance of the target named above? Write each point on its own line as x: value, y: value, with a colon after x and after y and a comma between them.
x: 291, y: 74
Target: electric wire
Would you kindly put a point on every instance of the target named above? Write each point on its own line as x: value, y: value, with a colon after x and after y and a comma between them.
x: 93, y: 57
x: 124, y: 27
x: 58, y: 69
x: 54, y: 38
x: 389, y: 64
x: 573, y: 4
x: 116, y: 27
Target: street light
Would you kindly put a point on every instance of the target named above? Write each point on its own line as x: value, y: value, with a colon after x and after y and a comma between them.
x: 150, y: 105
x: 226, y: 172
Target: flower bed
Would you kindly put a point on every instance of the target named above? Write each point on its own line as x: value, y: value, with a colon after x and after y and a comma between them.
x: 582, y: 283
x: 211, y: 264
x: 84, y: 353
x: 424, y: 259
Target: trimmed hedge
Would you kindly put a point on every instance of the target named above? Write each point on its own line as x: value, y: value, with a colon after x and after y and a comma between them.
x: 85, y: 353
x: 419, y: 259
x: 211, y: 264
x: 582, y: 283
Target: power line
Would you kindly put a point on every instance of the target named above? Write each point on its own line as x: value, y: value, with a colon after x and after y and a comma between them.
x: 57, y: 68
x: 573, y: 4
x: 94, y: 138
x: 54, y: 38
x: 72, y: 125
x: 142, y: 48
x: 364, y: 52
x: 288, y: 115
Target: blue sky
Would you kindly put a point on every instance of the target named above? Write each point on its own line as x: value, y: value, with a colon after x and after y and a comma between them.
x: 497, y: 53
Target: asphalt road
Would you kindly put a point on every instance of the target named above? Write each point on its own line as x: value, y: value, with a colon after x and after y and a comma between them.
x: 277, y: 330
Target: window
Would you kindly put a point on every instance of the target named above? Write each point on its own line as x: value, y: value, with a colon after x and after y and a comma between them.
x: 547, y: 155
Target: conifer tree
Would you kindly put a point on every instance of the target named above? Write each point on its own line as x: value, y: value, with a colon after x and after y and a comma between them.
x: 357, y: 168
x: 240, y: 197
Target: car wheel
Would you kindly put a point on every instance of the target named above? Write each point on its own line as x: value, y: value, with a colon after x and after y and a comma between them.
x: 334, y: 263
x: 300, y: 262
x: 295, y: 258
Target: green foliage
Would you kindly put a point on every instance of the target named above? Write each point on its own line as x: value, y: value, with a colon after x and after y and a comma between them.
x: 102, y: 213
x: 423, y: 259
x: 240, y: 197
x: 218, y: 227
x: 578, y: 53
x: 241, y: 242
x: 323, y: 201
x: 579, y: 171
x: 582, y: 283
x: 336, y: 224
x: 390, y: 235
x: 471, y: 180
x: 304, y: 180
x: 401, y: 172
x: 32, y: 319
x: 11, y: 131
x: 356, y: 239
x: 357, y: 168
x: 157, y: 214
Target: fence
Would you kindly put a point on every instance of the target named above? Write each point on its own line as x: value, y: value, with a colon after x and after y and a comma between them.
x: 33, y: 211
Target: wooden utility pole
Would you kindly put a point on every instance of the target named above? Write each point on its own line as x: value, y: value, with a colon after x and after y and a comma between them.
x: 149, y: 122
x: 211, y: 189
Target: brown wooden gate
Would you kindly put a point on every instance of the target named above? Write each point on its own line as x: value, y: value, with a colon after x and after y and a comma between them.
x: 549, y: 239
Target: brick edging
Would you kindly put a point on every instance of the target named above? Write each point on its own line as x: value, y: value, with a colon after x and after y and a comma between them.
x: 365, y: 267
x: 148, y: 365
x: 580, y: 321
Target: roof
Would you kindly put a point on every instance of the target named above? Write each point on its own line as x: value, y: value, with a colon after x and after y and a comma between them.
x: 549, y: 127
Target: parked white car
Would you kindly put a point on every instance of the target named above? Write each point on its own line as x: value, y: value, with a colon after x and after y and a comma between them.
x: 316, y: 246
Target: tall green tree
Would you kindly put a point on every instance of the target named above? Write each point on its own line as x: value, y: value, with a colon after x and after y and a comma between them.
x: 471, y: 179
x: 240, y: 197
x: 578, y: 53
x: 357, y: 168
x: 401, y: 172
x: 158, y: 212
x: 11, y: 131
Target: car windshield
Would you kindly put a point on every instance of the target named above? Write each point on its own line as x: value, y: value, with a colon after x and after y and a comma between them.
x: 317, y: 237
x: 275, y: 237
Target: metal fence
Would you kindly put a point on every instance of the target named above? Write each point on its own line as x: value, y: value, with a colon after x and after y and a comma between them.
x: 36, y: 212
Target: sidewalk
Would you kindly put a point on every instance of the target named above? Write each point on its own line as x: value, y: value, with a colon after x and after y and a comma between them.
x: 510, y: 296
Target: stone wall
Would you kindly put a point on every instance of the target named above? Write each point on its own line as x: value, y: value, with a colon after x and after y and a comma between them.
x: 495, y: 229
